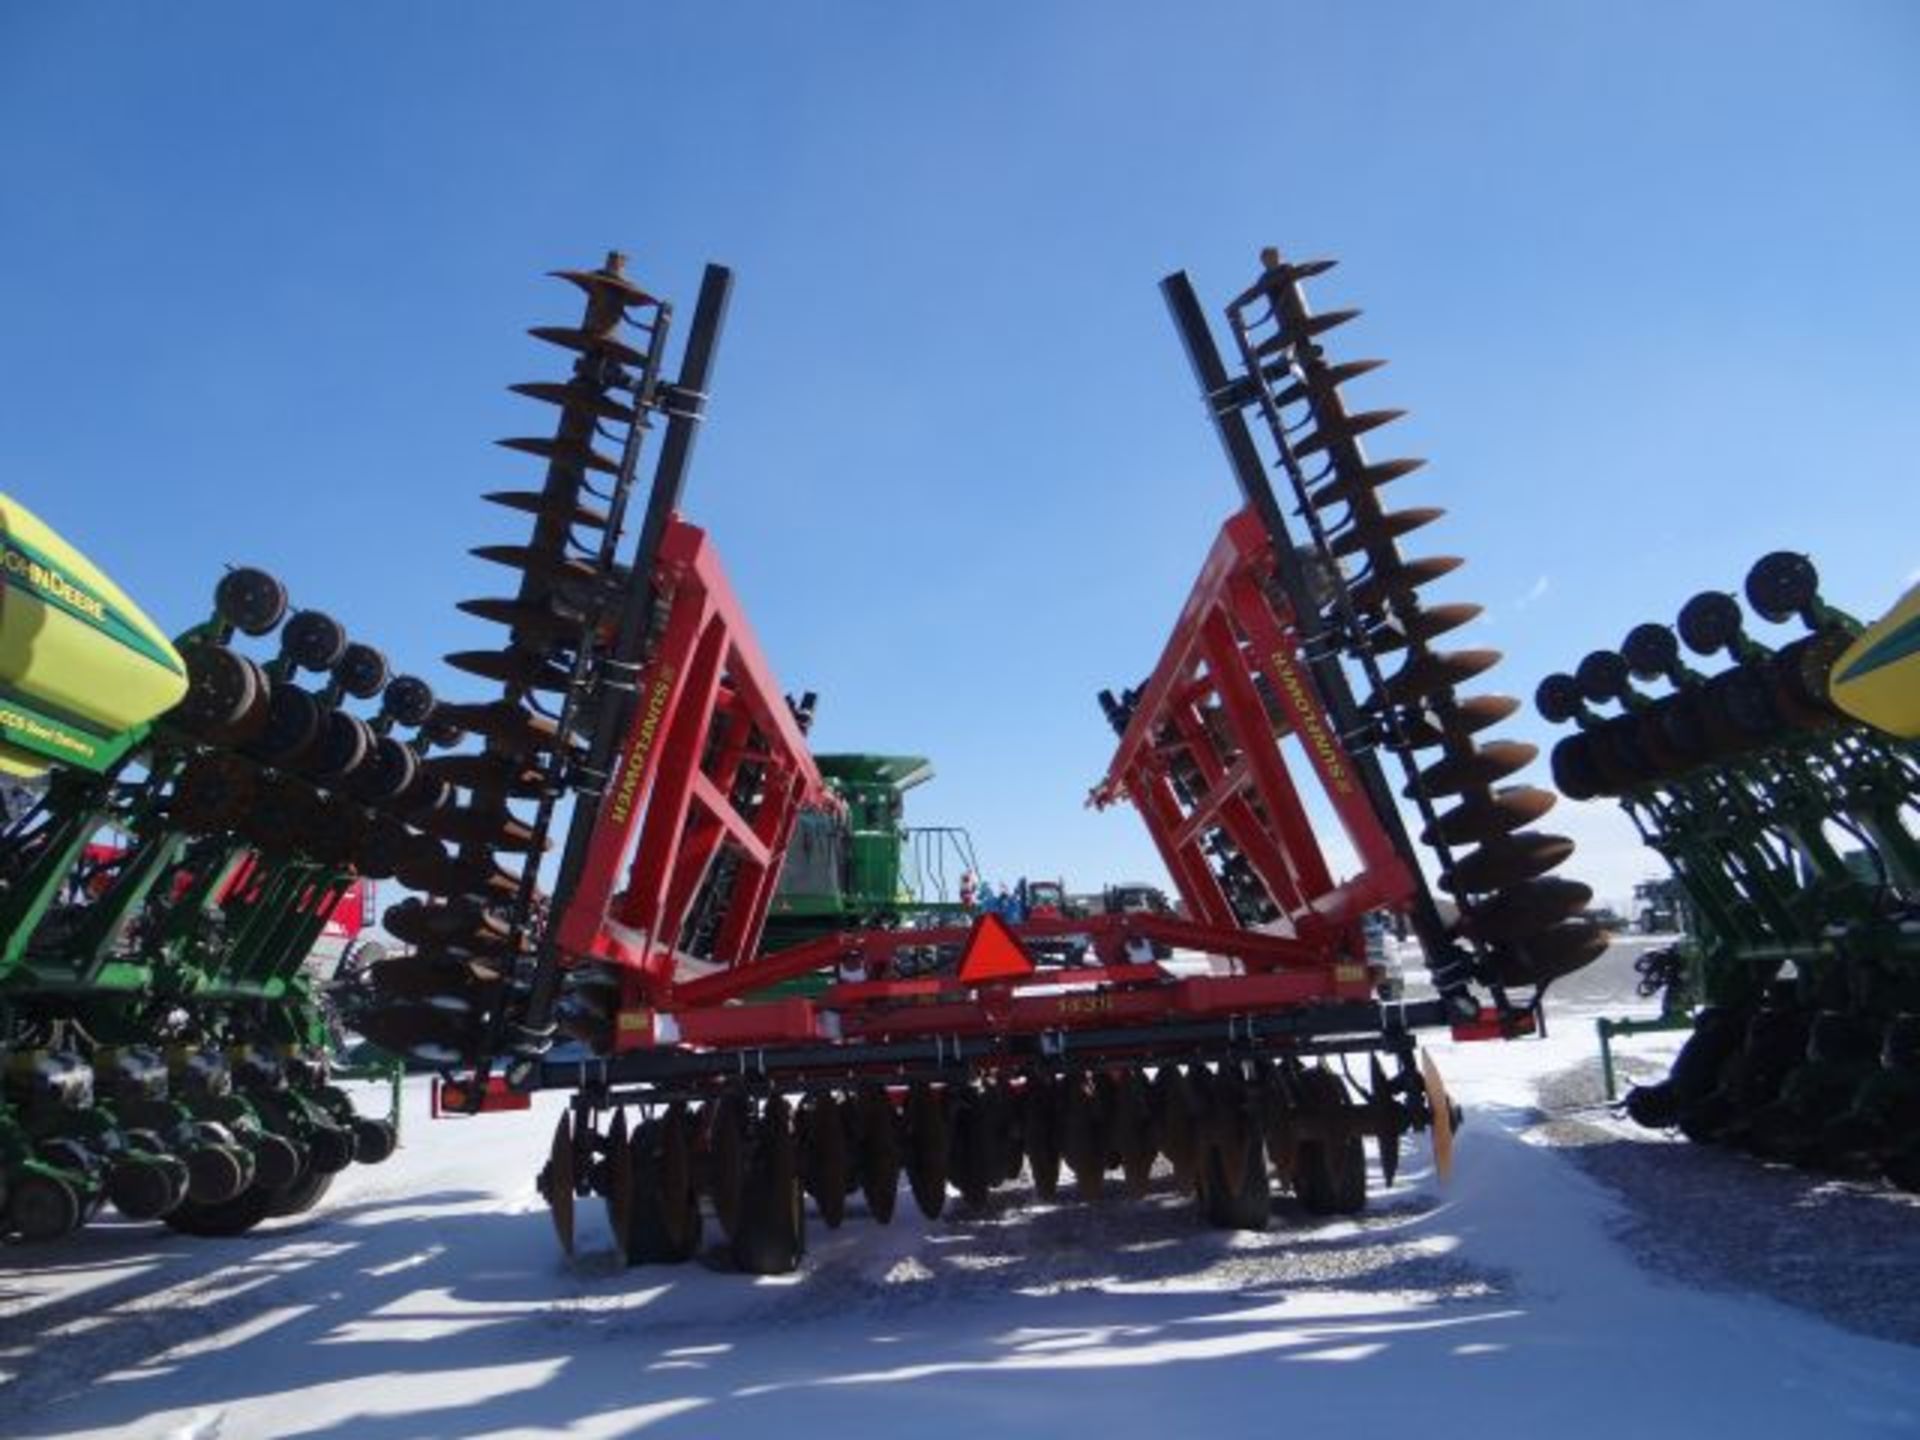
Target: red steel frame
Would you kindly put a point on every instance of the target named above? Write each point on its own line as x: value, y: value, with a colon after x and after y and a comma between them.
x: 667, y: 813
x: 708, y: 708
x: 1201, y: 700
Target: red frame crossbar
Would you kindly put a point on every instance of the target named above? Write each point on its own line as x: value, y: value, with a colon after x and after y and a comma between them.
x: 709, y: 707
x: 1201, y: 703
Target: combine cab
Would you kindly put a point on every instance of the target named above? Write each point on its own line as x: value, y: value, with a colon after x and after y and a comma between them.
x: 639, y: 730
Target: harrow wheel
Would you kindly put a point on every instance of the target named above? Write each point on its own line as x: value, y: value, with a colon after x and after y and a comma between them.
x: 772, y: 1236
x: 1084, y: 1133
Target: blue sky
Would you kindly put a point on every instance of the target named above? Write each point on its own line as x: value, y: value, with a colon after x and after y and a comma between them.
x: 1645, y: 274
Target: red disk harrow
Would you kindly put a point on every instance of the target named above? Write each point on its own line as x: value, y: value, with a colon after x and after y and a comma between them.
x: 1244, y: 1042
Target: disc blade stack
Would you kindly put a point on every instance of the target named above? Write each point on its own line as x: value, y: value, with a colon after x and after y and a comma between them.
x: 481, y: 916
x: 1523, y: 923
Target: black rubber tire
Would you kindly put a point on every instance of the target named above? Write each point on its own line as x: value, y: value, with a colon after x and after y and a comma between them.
x: 314, y: 641
x: 374, y: 1140
x: 362, y: 671
x: 295, y: 720
x: 43, y: 1207
x: 215, y: 1173
x: 301, y: 1196
x: 250, y: 600
x: 409, y: 700
x: 227, y: 1218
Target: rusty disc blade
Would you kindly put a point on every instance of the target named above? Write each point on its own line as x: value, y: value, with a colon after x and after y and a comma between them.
x: 489, y: 826
x: 879, y: 1152
x: 617, y: 1183
x: 416, y: 976
x: 1083, y: 1136
x: 1479, y: 820
x: 1352, y: 481
x: 1133, y: 1132
x: 1323, y: 378
x: 1440, y: 1104
x: 543, y: 623
x: 529, y: 560
x: 1525, y: 909
x: 588, y: 342
x: 1345, y: 427
x: 1506, y: 861
x: 587, y: 399
x: 1276, y: 272
x: 606, y: 282
x: 929, y: 1144
x: 1487, y: 765
x: 1468, y: 717
x: 1427, y: 672
x: 725, y: 1132
x: 1429, y: 622
x: 488, y: 772
x: 571, y: 454
x: 1327, y: 320
x: 557, y: 507
x: 480, y: 878
x: 505, y: 724
x: 1380, y: 585
x: 1179, y: 1124
x: 1545, y: 957
x: 559, y: 1178
x: 513, y: 667
x: 1390, y: 525
x: 824, y: 1166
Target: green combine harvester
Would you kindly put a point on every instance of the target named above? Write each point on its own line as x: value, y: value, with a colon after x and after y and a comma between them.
x: 191, y: 819
x: 868, y: 869
x: 1784, y: 791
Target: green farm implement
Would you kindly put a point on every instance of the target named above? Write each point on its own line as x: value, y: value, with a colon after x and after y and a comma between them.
x: 1791, y: 828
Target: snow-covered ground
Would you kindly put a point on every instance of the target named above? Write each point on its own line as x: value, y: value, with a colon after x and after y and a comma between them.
x: 1574, y: 1278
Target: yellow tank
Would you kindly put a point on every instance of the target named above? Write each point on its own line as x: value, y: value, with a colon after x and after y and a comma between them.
x: 80, y: 665
x: 1877, y: 679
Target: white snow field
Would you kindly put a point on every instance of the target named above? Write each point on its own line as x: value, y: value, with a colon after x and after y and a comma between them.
x: 1543, y: 1290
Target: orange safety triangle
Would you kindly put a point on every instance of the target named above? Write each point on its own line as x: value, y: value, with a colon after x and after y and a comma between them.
x: 993, y: 953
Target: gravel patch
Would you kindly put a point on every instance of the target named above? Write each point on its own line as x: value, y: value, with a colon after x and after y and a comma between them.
x: 1846, y: 1250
